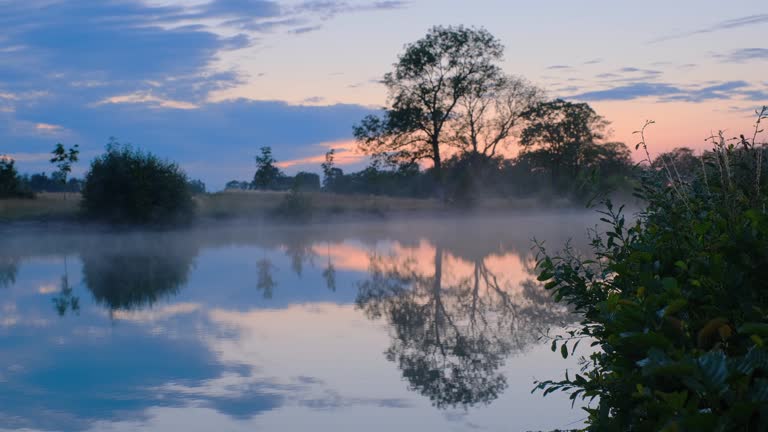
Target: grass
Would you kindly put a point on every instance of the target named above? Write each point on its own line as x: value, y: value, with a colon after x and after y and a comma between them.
x: 45, y: 207
x: 260, y: 204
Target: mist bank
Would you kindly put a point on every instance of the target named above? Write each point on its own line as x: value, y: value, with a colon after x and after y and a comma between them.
x: 270, y: 206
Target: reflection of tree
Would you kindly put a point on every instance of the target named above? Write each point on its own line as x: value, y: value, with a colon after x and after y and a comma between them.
x: 137, y: 274
x: 299, y: 250
x: 66, y: 300
x: 9, y: 267
x: 450, y: 341
x: 265, y: 282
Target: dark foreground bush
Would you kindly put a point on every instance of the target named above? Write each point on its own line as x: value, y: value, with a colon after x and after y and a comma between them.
x: 130, y: 186
x: 676, y: 303
x: 11, y: 185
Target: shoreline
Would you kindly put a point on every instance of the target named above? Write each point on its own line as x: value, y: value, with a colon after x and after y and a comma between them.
x: 51, y: 210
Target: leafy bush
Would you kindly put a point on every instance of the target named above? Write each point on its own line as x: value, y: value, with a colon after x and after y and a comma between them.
x: 130, y: 186
x: 11, y: 185
x: 295, y: 206
x: 676, y: 302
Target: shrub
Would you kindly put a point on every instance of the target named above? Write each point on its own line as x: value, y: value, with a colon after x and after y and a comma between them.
x: 130, y: 186
x: 11, y: 185
x: 295, y: 206
x: 676, y: 302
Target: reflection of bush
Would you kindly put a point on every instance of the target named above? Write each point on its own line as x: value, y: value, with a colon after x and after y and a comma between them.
x: 8, y: 269
x: 136, y: 276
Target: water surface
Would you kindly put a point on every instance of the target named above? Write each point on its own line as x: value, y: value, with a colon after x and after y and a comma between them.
x: 429, y: 325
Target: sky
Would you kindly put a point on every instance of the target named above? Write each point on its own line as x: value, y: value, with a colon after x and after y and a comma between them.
x: 208, y: 82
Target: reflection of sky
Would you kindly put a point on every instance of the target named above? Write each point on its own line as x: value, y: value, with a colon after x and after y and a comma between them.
x: 220, y: 356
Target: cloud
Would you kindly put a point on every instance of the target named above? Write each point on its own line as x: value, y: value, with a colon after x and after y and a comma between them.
x: 214, y: 141
x: 345, y: 155
x: 743, y: 55
x: 669, y: 92
x: 745, y: 21
x: 556, y: 67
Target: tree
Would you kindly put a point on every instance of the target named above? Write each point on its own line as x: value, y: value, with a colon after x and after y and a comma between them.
x: 331, y: 174
x: 10, y: 182
x: 563, y: 130
x: 63, y: 159
x: 490, y: 112
x: 267, y: 174
x: 430, y: 79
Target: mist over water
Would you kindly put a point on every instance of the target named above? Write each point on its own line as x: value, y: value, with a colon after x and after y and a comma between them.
x: 425, y: 322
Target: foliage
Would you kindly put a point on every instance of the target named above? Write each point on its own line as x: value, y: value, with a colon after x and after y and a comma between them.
x: 675, y: 302
x: 296, y: 206
x: 125, y: 185
x: 63, y: 159
x: 430, y: 78
x: 267, y: 174
x: 563, y: 131
x: 306, y: 182
x: 41, y: 182
x: 11, y: 185
x: 196, y: 187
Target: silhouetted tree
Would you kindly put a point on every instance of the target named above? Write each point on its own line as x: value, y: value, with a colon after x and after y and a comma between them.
x: 490, y: 111
x: 430, y: 79
x: 267, y: 174
x: 331, y: 175
x: 10, y: 182
x: 63, y: 159
x: 196, y: 187
x: 563, y: 130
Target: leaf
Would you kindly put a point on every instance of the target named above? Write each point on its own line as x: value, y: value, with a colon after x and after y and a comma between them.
x: 714, y: 370
x: 564, y: 351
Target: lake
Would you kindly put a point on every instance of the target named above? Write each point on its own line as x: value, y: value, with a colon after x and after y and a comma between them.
x: 411, y: 324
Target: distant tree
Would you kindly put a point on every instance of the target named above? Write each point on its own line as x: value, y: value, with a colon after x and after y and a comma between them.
x: 563, y: 130
x: 331, y: 174
x: 236, y: 184
x: 10, y: 182
x: 306, y: 182
x: 196, y: 187
x: 267, y: 174
x: 63, y: 159
x: 491, y: 111
x: 430, y: 79
x: 682, y: 163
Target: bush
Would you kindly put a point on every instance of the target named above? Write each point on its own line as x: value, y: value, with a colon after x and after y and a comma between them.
x: 11, y: 185
x: 676, y: 302
x: 130, y: 186
x: 295, y: 206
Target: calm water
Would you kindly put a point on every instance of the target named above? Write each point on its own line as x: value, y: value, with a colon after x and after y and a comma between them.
x: 412, y: 325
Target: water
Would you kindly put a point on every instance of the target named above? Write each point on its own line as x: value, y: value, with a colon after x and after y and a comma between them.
x: 428, y: 325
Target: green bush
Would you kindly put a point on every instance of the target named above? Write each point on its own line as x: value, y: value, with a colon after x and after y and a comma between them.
x: 675, y: 303
x: 295, y: 206
x: 11, y: 185
x: 130, y: 186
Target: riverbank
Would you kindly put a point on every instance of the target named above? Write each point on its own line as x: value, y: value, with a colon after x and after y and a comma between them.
x: 245, y: 205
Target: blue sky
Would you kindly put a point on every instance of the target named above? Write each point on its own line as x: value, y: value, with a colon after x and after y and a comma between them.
x: 208, y: 82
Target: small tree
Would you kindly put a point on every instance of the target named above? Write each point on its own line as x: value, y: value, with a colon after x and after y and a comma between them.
x: 331, y: 174
x: 63, y: 159
x: 267, y: 174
